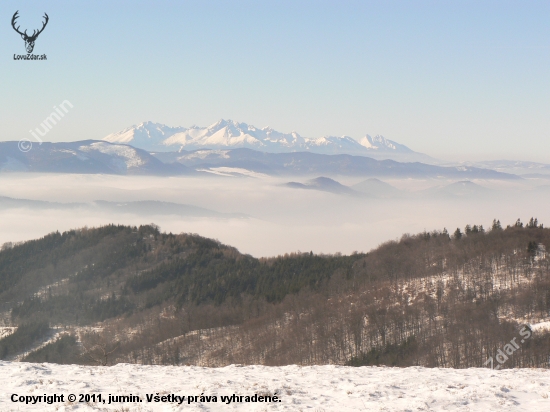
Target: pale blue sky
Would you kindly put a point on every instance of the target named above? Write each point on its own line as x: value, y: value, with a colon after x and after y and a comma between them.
x: 466, y: 79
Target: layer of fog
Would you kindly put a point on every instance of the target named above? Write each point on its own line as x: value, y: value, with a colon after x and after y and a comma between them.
x: 281, y: 219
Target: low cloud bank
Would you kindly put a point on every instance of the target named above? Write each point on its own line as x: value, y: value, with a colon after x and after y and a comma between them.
x: 281, y: 219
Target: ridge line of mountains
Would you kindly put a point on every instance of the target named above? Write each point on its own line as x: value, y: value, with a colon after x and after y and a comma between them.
x: 102, y: 157
x: 229, y: 134
x: 229, y: 148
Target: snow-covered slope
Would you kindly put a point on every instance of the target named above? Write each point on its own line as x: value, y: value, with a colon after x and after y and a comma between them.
x: 381, y: 144
x: 315, y: 388
x: 146, y: 135
x: 87, y: 156
x: 124, y: 157
x: 228, y: 134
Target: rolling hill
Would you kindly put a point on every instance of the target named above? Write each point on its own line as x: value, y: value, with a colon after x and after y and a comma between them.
x: 148, y: 297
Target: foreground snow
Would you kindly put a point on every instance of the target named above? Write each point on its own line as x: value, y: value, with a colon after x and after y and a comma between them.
x: 316, y: 388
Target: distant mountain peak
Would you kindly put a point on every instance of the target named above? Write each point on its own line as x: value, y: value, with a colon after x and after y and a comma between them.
x: 380, y: 143
x: 231, y: 134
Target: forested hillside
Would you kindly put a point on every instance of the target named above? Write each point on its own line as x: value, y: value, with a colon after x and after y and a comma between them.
x: 473, y: 298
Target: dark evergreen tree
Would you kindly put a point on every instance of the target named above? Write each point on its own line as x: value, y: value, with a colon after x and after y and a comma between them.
x: 457, y: 234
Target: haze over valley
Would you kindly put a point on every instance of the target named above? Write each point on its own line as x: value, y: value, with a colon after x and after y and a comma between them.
x: 264, y: 216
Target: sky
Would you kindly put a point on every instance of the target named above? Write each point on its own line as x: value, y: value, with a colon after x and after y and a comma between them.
x: 459, y: 80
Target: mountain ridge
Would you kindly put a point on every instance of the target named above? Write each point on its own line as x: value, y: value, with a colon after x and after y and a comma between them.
x: 86, y: 156
x: 229, y: 134
x: 101, y: 157
x: 314, y: 164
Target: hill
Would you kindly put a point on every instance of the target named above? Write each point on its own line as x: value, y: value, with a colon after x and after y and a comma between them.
x: 377, y: 188
x: 459, y: 189
x: 324, y: 184
x: 87, y: 156
x: 101, y: 157
x: 133, y: 294
x: 314, y: 164
x: 140, y: 208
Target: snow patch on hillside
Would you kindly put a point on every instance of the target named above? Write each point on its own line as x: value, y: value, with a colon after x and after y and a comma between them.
x: 129, y: 155
x: 233, y: 172
x: 6, y: 331
x: 203, y: 154
x: 540, y: 327
x: 52, y: 336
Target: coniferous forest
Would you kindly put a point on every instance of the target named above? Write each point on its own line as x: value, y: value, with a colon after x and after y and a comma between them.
x: 470, y: 297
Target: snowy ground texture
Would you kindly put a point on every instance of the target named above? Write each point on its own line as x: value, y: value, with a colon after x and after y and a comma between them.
x: 315, y: 388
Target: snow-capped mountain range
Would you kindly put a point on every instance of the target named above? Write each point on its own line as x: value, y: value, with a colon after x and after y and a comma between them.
x: 228, y: 134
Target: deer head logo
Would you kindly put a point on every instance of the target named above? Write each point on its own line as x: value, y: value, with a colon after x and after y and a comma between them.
x: 29, y: 40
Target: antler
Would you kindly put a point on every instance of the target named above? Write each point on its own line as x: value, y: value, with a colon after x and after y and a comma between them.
x: 13, y: 19
x: 34, y: 34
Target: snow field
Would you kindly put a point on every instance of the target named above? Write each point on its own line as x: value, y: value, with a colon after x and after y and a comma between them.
x: 312, y: 388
